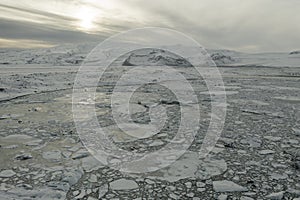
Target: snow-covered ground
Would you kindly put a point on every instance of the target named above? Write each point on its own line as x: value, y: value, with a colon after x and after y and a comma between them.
x: 257, y: 156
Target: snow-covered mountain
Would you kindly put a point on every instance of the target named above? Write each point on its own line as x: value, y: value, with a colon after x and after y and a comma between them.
x: 295, y: 53
x: 55, y: 56
x: 153, y: 57
x: 222, y: 59
x: 72, y: 55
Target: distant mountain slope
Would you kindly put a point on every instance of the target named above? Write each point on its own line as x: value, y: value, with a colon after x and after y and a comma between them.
x: 295, y: 53
x: 154, y: 57
x: 72, y: 55
x: 221, y: 59
x: 59, y: 56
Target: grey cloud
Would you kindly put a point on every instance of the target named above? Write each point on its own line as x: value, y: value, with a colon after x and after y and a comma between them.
x: 25, y: 30
x: 37, y: 12
x: 269, y: 25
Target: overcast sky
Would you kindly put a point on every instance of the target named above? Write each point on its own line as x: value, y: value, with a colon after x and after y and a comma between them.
x: 244, y: 25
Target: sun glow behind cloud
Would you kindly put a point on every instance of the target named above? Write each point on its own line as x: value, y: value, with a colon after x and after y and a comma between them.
x: 87, y: 16
x: 82, y: 15
x: 91, y: 14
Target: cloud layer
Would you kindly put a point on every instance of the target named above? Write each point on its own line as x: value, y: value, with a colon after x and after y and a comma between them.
x: 253, y: 26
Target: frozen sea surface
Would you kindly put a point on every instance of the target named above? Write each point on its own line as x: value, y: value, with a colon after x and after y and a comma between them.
x: 257, y: 156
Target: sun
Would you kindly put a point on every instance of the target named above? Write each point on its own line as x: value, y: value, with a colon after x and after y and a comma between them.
x: 86, y: 18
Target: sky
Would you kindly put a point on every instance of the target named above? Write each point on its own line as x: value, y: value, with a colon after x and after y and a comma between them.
x: 242, y: 25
